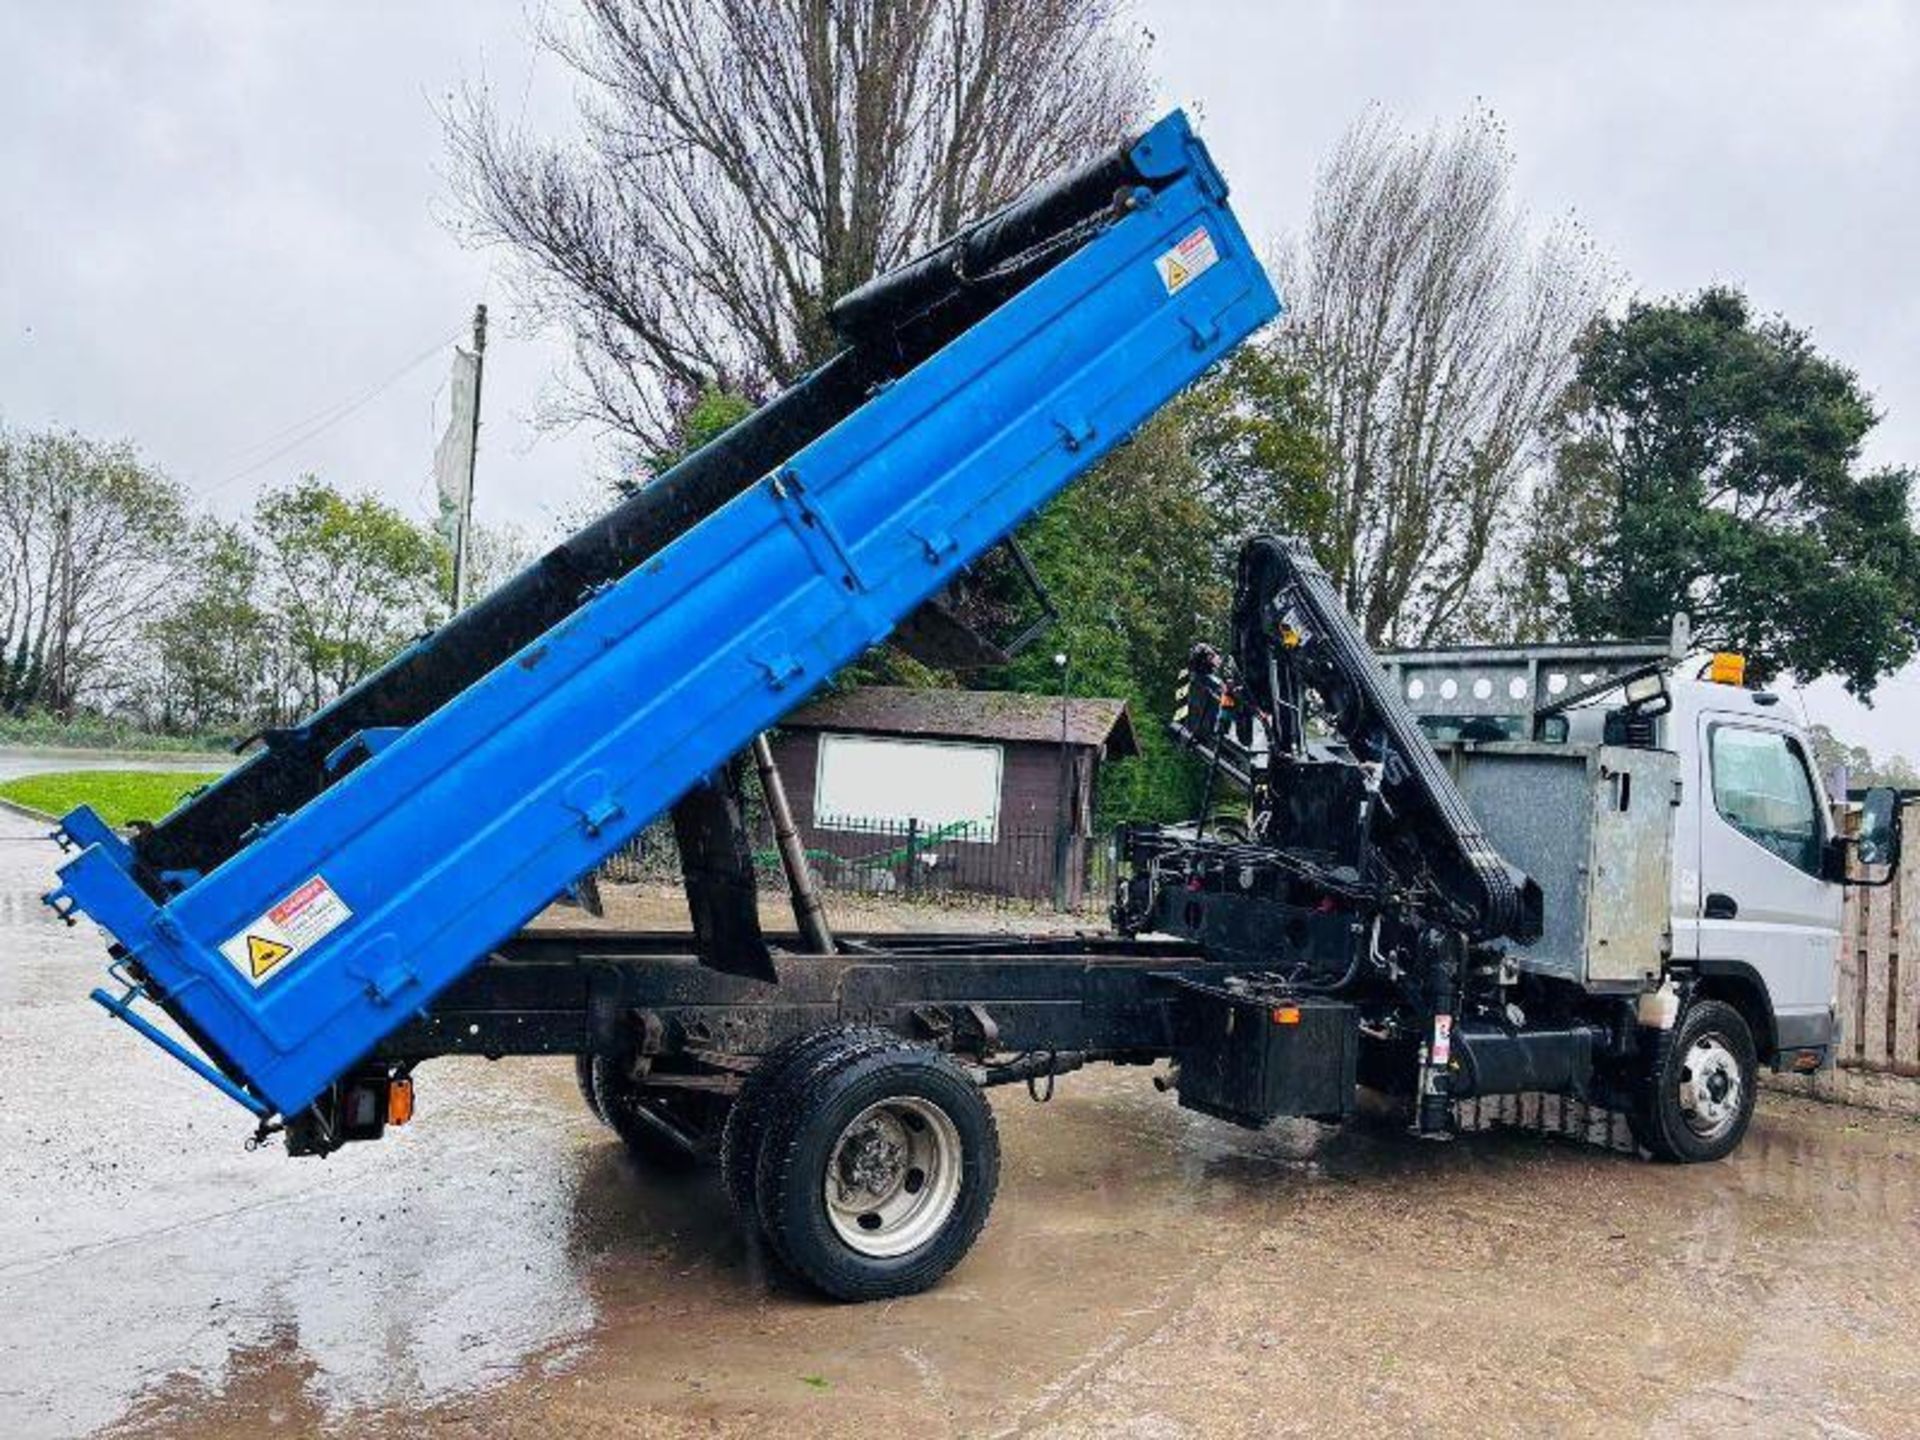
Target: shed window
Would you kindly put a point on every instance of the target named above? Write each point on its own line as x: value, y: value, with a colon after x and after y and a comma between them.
x: 870, y: 783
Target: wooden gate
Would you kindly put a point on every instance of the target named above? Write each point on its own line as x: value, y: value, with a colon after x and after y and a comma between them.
x: 1879, y: 968
x: 1877, y: 985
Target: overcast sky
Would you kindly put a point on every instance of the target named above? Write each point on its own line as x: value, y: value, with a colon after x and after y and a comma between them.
x: 221, y: 224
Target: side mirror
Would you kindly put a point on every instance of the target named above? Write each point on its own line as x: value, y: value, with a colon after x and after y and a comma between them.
x: 1878, y: 840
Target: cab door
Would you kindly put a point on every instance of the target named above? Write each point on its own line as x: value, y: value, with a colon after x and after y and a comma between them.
x: 1762, y: 904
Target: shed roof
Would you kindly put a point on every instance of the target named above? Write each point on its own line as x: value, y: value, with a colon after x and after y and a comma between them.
x: 972, y: 714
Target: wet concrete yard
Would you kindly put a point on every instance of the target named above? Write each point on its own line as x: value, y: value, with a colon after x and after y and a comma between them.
x: 501, y: 1267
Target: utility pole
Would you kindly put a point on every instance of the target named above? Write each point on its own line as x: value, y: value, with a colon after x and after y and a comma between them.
x: 461, y: 556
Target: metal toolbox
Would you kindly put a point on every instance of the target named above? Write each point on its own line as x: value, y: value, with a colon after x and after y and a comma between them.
x: 1250, y: 1052
x: 1593, y: 825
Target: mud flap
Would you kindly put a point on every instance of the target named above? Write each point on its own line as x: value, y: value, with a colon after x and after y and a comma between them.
x: 716, y: 862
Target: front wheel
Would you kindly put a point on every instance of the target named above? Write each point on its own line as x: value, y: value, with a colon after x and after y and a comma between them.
x: 1696, y: 1099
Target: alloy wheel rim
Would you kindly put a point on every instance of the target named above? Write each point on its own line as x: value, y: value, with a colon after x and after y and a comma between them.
x: 893, y: 1177
x: 1710, y: 1088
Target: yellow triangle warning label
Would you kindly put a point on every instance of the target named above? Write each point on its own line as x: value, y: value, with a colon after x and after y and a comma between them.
x: 263, y: 954
x: 1185, y: 261
x: 270, y: 942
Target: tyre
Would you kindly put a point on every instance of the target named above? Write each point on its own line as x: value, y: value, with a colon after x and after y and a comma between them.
x: 781, y: 1072
x: 665, y: 1129
x: 877, y: 1179
x: 583, y: 1076
x: 1696, y: 1098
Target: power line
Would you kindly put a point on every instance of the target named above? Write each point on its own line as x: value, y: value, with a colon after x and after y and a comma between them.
x: 291, y: 437
x: 519, y: 123
x: 242, y: 455
x: 323, y: 420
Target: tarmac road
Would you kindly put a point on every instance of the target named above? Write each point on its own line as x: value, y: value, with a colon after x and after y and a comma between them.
x: 18, y: 760
x: 500, y: 1267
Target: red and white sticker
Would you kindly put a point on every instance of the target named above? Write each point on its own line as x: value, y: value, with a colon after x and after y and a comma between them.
x: 277, y: 938
x: 1192, y: 257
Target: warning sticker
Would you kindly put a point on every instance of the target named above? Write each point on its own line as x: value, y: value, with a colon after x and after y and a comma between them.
x: 263, y: 954
x: 297, y: 923
x: 1192, y: 257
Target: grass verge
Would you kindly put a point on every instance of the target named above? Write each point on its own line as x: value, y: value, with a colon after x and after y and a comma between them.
x: 120, y: 796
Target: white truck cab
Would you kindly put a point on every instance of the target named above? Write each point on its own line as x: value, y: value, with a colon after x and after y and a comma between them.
x: 1756, y: 898
x: 1756, y: 870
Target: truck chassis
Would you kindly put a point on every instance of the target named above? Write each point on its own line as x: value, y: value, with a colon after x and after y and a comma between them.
x: 642, y: 996
x: 692, y: 1065
x: 860, y: 1073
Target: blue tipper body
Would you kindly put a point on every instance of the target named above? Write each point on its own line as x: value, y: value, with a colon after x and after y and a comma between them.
x: 407, y: 871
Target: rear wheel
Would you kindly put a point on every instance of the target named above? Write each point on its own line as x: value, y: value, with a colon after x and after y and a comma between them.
x: 878, y: 1178
x: 1696, y: 1099
x: 667, y: 1128
x: 773, y: 1084
x: 583, y: 1077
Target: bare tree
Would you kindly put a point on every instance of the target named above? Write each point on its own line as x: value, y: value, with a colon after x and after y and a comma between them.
x: 1438, y: 333
x: 90, y: 539
x: 742, y: 163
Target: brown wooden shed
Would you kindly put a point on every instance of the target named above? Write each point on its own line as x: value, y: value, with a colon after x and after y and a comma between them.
x: 955, y: 789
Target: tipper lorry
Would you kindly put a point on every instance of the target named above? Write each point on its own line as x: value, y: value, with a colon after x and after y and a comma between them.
x: 1553, y: 911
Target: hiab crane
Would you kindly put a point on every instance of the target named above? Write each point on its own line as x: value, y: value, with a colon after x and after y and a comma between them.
x: 347, y: 903
x: 1513, y: 870
x: 1364, y: 875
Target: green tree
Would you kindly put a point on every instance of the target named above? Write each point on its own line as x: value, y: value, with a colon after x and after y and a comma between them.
x: 1128, y: 555
x: 1256, y: 435
x: 710, y: 414
x: 347, y: 581
x: 1709, y: 462
x: 211, y: 648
